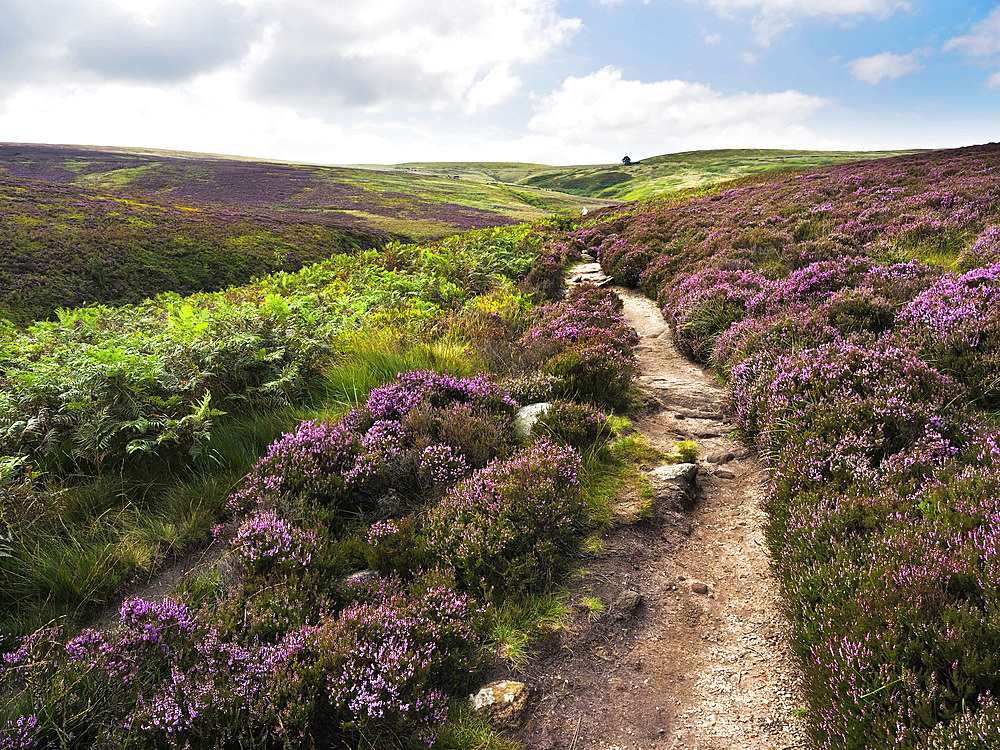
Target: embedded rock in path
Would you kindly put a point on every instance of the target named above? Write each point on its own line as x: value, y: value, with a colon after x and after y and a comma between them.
x: 625, y: 604
x: 673, y: 485
x: 720, y: 457
x: 501, y: 703
x: 526, y: 416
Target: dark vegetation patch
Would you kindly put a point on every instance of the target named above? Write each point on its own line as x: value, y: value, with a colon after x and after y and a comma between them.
x: 64, y: 246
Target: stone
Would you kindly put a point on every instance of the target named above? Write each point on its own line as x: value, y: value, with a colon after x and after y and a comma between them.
x: 626, y: 603
x: 720, y: 457
x: 673, y: 485
x: 587, y: 258
x: 502, y: 703
x: 725, y: 474
x: 697, y: 587
x: 526, y: 417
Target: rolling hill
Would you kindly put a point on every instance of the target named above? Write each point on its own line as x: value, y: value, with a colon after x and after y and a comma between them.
x: 670, y: 173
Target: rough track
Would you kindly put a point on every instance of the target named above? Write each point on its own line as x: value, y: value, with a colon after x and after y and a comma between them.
x: 692, y: 651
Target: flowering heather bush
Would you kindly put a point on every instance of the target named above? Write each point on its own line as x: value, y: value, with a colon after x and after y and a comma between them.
x: 307, y: 462
x: 702, y: 305
x: 378, y: 664
x: 531, y: 387
x: 442, y: 465
x: 266, y: 543
x: 586, y: 343
x: 423, y: 387
x: 786, y: 331
x: 854, y: 409
x: 899, y: 283
x: 509, y: 526
x: 955, y: 325
x: 577, y: 425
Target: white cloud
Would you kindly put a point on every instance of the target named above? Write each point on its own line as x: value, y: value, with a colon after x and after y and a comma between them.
x: 610, y: 112
x: 318, y: 55
x: 878, y: 8
x: 983, y: 42
x: 885, y: 66
x: 772, y: 17
x: 993, y: 82
x: 494, y: 88
x: 398, y: 53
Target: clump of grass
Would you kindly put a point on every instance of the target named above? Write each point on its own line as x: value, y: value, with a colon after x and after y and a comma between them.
x: 517, y: 624
x: 685, y: 452
x: 617, y: 469
x: 594, y: 606
x: 466, y: 731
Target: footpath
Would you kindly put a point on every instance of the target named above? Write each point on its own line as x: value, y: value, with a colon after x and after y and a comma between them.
x: 691, y: 650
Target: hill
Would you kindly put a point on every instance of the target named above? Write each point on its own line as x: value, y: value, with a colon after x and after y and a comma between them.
x: 670, y: 173
x: 66, y: 246
x: 407, y: 204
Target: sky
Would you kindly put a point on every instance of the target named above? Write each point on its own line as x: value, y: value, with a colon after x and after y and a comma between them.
x: 544, y: 81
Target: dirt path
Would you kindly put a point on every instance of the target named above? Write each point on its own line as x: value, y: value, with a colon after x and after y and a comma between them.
x: 691, y: 651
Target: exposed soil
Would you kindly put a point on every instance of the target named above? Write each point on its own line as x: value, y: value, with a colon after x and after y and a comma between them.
x: 691, y: 651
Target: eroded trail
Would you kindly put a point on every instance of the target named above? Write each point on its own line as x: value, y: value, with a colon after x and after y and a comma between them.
x: 691, y: 651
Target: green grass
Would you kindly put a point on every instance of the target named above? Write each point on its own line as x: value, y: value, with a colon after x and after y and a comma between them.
x: 466, y: 731
x: 517, y: 625
x: 608, y: 474
x: 657, y: 175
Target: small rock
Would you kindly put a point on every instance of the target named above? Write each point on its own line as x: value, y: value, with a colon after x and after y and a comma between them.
x: 587, y: 258
x: 501, y: 703
x: 625, y: 603
x: 725, y: 474
x: 720, y: 457
x: 697, y: 587
x: 526, y: 417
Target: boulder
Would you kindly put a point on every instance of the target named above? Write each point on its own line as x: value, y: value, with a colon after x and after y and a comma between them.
x: 502, y: 703
x: 526, y: 416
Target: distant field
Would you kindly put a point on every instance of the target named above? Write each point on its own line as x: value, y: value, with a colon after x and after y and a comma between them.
x: 405, y: 203
x: 659, y: 174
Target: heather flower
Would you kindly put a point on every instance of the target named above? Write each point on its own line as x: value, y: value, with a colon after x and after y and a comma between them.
x: 306, y: 462
x: 442, y: 465
x: 265, y: 543
x: 22, y: 733
x: 509, y: 526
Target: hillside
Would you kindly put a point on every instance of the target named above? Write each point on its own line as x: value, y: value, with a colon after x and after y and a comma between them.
x: 670, y: 173
x: 855, y: 314
x: 403, y: 203
x: 66, y: 246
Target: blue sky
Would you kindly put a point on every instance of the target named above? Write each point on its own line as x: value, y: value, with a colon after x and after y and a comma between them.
x: 571, y: 82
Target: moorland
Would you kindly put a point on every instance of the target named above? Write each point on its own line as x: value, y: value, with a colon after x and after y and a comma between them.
x: 343, y: 432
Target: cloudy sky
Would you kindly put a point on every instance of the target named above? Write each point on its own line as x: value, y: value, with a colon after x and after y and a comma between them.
x: 551, y: 81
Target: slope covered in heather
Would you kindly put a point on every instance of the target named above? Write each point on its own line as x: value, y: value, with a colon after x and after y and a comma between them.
x: 65, y: 246
x: 855, y: 313
x: 405, y: 203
